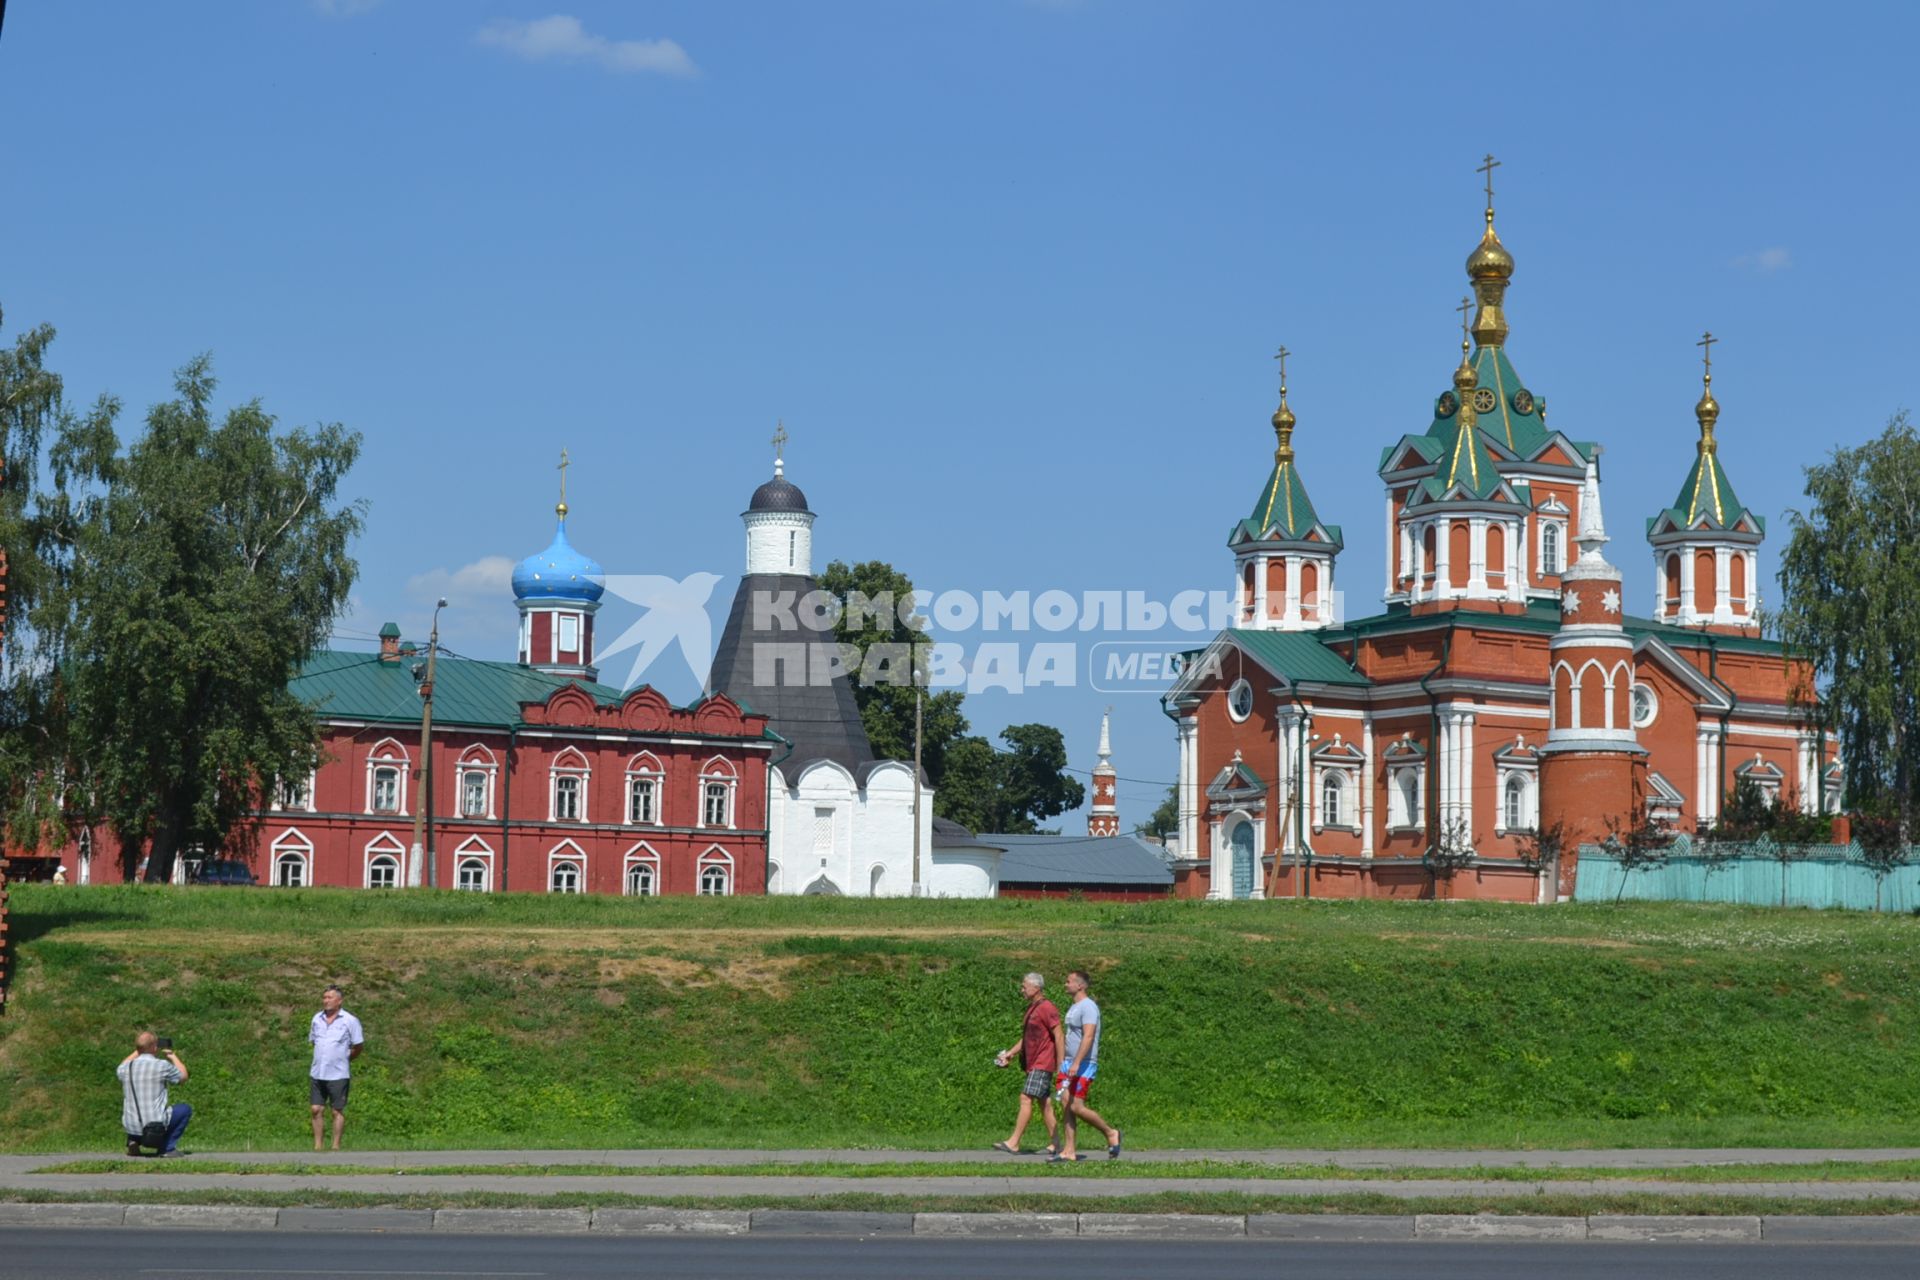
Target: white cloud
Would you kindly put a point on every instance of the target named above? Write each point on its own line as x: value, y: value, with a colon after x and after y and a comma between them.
x: 488, y: 580
x: 1766, y: 261
x: 562, y: 38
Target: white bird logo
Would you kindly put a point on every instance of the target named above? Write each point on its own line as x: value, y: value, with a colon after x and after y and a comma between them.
x: 674, y: 611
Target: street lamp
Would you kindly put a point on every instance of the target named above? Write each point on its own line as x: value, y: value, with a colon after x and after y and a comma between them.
x: 423, y: 799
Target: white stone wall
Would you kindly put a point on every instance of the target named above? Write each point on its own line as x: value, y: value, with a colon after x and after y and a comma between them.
x: 872, y: 830
x: 779, y: 542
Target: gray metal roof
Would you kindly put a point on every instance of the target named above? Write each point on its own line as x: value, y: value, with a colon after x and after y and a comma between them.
x: 1085, y: 860
x: 820, y: 720
x: 778, y: 494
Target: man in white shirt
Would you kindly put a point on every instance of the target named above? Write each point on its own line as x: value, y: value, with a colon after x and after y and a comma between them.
x: 144, y: 1076
x: 1077, y: 1067
x: 337, y: 1040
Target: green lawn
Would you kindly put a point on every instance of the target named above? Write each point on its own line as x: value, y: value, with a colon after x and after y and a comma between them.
x: 531, y: 1021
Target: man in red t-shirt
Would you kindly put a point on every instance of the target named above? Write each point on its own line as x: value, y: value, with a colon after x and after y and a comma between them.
x: 1041, y: 1048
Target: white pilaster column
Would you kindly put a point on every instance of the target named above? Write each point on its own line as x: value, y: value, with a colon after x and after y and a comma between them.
x: 1700, y: 786
x: 1409, y: 563
x: 1219, y: 862
x: 1809, y: 798
x: 1522, y: 560
x: 1389, y: 544
x: 1292, y: 618
x: 1189, y: 790
x: 1723, y: 584
x: 1477, y: 556
x: 1368, y: 782
x: 1442, y: 549
x: 1260, y: 591
x: 1659, y: 589
x: 1282, y: 792
x: 1466, y: 770
x: 1686, y: 586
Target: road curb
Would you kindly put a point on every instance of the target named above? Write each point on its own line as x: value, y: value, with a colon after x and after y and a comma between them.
x: 1496, y: 1226
x: 1484, y: 1227
x: 206, y: 1217
x: 704, y: 1222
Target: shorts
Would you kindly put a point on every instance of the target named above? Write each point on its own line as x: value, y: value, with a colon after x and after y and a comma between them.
x: 1075, y: 1086
x: 1039, y: 1082
x: 332, y: 1093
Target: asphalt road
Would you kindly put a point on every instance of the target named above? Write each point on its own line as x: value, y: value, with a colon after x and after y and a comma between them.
x: 181, y: 1255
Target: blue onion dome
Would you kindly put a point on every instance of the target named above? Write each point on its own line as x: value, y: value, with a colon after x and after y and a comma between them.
x: 559, y: 572
x: 778, y: 494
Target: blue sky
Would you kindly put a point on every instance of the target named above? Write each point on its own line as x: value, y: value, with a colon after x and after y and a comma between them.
x: 1011, y: 272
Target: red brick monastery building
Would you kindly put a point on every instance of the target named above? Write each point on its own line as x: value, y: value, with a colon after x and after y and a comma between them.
x: 1505, y: 689
x: 543, y: 779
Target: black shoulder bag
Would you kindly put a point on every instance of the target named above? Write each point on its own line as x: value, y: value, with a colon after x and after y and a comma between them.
x: 153, y: 1133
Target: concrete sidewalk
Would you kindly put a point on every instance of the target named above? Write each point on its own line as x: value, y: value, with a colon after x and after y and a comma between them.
x: 1352, y: 1158
x: 17, y: 1173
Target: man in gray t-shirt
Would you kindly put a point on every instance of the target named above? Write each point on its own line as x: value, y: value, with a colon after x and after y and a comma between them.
x: 1082, y: 1024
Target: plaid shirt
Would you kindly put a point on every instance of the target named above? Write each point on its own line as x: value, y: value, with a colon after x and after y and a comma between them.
x: 144, y: 1082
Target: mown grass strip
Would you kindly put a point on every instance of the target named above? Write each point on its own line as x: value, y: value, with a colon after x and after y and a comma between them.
x: 1243, y: 1170
x: 813, y: 1023
x: 1167, y: 1202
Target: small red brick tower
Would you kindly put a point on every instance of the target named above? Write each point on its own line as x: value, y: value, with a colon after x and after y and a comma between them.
x: 1104, y: 819
x: 1588, y: 764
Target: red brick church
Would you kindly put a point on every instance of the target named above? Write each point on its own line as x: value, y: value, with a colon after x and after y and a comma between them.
x: 1506, y: 688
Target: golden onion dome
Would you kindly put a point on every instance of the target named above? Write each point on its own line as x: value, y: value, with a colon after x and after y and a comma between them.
x: 1464, y: 378
x: 1490, y: 259
x: 1283, y: 418
x: 1707, y: 412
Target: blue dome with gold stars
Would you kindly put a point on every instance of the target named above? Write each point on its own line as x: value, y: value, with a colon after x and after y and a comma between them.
x: 560, y: 572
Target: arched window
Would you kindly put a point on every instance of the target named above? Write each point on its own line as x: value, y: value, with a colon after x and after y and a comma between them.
x: 716, y: 873
x: 876, y: 882
x: 473, y: 793
x: 716, y: 793
x: 1516, y: 803
x: 292, y: 860
x: 1333, y: 799
x: 1673, y: 584
x: 644, y: 776
x: 472, y: 875
x: 383, y: 872
x: 1550, y: 547
x: 564, y: 878
x: 570, y: 773
x: 386, y: 789
x: 640, y: 881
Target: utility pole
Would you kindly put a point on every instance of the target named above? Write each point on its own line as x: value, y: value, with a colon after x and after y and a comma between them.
x: 919, y: 696
x: 423, y: 800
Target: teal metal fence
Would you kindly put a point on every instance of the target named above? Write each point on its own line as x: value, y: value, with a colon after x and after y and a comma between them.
x: 1761, y: 874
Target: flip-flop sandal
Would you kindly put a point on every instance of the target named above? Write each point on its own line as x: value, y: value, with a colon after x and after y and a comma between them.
x: 1113, y: 1152
x: 1049, y: 1150
x: 1057, y: 1158
x: 1001, y: 1146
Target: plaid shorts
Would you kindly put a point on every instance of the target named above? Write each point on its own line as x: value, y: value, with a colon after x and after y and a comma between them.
x: 1039, y: 1083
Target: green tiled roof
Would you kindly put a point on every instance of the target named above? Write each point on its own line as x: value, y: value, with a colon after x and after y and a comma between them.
x: 359, y: 686
x: 1520, y: 432
x: 1707, y: 492
x: 1297, y: 656
x: 1283, y: 505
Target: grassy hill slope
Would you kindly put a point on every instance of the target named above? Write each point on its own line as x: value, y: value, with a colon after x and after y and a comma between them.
x: 535, y: 1021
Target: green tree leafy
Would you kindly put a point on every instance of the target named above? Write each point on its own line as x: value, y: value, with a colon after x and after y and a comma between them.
x: 187, y: 577
x: 1165, y: 820
x: 1850, y: 602
x: 1012, y: 791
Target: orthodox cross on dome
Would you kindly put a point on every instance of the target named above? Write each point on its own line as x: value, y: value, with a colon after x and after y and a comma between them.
x: 1487, y: 167
x: 565, y: 462
x: 1706, y: 355
x: 1281, y: 355
x: 779, y: 443
x: 1466, y: 321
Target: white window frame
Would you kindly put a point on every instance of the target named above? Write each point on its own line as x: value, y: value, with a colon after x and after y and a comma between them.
x: 1559, y: 529
x: 389, y: 754
x: 714, y: 859
x: 718, y: 772
x: 1633, y: 704
x: 645, y: 769
x: 556, y: 771
x: 384, y: 845
x: 641, y: 855
x: 474, y: 849
x: 567, y: 853
x: 476, y: 759
x: 1233, y: 691
x: 562, y: 622
x: 1397, y: 798
x: 1529, y: 782
x: 295, y: 802
x: 291, y: 844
